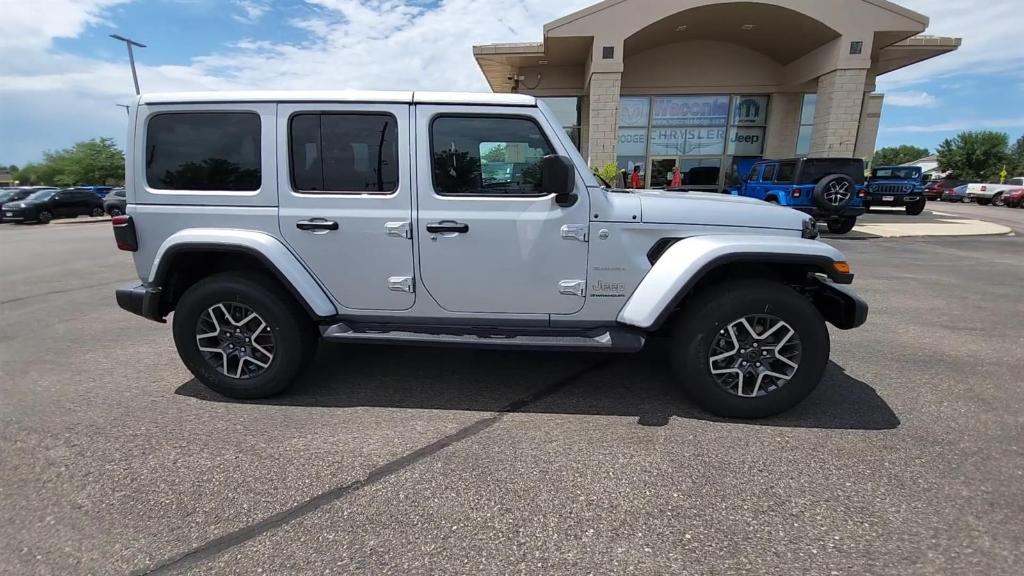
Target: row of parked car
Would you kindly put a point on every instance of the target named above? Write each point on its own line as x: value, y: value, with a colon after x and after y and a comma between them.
x: 1009, y: 193
x: 41, y: 204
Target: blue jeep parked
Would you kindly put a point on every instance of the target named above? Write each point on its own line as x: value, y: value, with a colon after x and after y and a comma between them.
x: 829, y: 189
x: 896, y: 186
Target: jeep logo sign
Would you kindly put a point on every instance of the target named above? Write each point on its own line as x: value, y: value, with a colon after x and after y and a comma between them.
x: 746, y: 141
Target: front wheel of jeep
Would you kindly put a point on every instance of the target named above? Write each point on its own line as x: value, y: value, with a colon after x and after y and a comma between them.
x: 749, y: 349
x: 242, y: 335
x: 915, y: 208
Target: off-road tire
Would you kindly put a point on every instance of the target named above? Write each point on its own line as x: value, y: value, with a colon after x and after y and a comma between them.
x: 700, y: 321
x: 841, y: 225
x: 294, y: 334
x: 915, y: 208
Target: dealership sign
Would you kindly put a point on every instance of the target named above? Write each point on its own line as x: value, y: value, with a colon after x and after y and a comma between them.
x: 687, y: 141
x: 691, y: 111
x: 746, y: 141
x: 632, y: 142
x: 750, y: 110
x: 634, y: 111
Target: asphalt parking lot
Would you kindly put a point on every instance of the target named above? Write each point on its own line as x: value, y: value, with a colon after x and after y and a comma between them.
x: 906, y: 460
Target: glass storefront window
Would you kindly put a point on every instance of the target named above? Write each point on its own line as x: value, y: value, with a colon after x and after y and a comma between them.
x: 567, y: 111
x: 697, y: 134
x: 803, y: 140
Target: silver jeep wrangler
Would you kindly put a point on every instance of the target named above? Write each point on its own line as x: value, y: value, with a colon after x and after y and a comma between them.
x: 268, y: 220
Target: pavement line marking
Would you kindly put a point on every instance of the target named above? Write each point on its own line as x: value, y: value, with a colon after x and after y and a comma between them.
x: 41, y: 294
x: 223, y: 543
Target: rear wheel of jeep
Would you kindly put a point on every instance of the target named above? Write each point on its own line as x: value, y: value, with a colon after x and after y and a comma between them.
x: 916, y: 208
x: 749, y: 349
x: 242, y: 335
x: 841, y: 225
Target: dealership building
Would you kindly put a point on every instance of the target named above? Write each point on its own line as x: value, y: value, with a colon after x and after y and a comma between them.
x: 711, y: 86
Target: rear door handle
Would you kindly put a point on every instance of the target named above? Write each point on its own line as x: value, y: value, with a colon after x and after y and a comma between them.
x: 316, y: 224
x: 447, y: 226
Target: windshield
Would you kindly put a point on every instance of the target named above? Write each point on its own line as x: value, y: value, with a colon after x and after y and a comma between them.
x: 901, y: 173
x: 814, y: 169
x: 40, y: 195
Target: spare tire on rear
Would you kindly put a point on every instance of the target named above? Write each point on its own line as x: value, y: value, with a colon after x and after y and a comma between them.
x: 834, y: 192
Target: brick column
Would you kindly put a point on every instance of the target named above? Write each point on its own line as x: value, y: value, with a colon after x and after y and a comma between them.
x: 837, y: 115
x: 602, y: 127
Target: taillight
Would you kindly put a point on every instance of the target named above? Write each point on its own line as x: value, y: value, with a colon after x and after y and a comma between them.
x: 797, y: 193
x: 124, y: 233
x: 862, y: 194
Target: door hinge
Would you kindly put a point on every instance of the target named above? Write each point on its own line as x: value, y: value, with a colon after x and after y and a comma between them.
x: 575, y: 232
x: 572, y: 287
x: 398, y: 229
x: 401, y: 284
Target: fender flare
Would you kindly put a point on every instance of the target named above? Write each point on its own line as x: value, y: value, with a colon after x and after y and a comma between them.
x: 266, y: 248
x: 684, y: 263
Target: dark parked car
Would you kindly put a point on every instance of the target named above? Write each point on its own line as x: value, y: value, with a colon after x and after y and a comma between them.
x: 114, y: 203
x: 958, y: 194
x: 934, y: 189
x: 13, y: 195
x: 1014, y: 198
x: 45, y: 205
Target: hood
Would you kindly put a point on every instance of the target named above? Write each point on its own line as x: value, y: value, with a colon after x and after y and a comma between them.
x: 715, y: 210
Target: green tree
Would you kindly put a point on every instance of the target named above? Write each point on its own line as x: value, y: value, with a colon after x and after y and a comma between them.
x: 975, y: 156
x: 495, y: 154
x: 896, y: 155
x: 1015, y: 164
x: 35, y: 174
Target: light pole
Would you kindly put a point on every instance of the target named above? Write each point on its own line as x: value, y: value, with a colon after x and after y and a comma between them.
x: 131, y: 57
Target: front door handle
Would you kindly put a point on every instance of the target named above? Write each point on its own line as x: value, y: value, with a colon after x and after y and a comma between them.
x: 447, y: 226
x: 317, y: 224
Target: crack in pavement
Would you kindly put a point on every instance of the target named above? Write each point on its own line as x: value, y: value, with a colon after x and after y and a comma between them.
x: 223, y: 543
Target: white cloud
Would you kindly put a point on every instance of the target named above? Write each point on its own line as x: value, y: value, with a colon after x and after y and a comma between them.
x: 991, y: 40
x: 959, y: 125
x: 251, y: 10
x: 911, y: 99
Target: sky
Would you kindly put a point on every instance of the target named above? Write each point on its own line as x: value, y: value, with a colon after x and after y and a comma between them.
x: 61, y: 76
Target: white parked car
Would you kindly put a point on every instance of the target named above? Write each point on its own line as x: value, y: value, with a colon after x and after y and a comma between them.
x: 267, y: 220
x: 985, y: 194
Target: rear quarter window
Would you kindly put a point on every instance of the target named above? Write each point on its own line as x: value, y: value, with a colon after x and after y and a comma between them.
x: 204, y: 151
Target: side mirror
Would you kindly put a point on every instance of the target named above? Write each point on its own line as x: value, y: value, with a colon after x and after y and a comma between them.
x: 558, y: 177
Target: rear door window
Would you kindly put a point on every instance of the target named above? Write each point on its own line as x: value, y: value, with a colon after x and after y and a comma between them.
x: 346, y: 153
x: 785, y: 173
x: 769, y: 173
x: 204, y: 151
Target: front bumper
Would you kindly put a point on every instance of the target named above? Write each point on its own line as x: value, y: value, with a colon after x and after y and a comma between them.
x: 141, y: 300
x: 19, y: 215
x: 893, y: 199
x: 822, y: 216
x: 840, y: 305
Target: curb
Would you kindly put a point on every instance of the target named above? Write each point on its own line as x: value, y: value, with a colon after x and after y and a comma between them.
x: 89, y: 220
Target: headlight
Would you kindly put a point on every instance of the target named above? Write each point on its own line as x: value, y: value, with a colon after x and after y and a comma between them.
x: 908, y: 188
x: 810, y: 229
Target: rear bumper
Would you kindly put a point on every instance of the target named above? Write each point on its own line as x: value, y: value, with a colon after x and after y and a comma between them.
x: 840, y: 305
x: 822, y: 216
x: 141, y: 300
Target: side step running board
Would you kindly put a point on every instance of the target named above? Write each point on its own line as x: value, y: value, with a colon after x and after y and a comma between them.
x: 609, y: 340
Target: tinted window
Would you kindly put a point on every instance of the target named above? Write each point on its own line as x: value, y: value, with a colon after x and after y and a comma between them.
x: 344, y: 152
x: 487, y: 156
x: 204, y: 151
x: 786, y: 172
x: 814, y: 169
x: 769, y: 173
x: 754, y: 170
